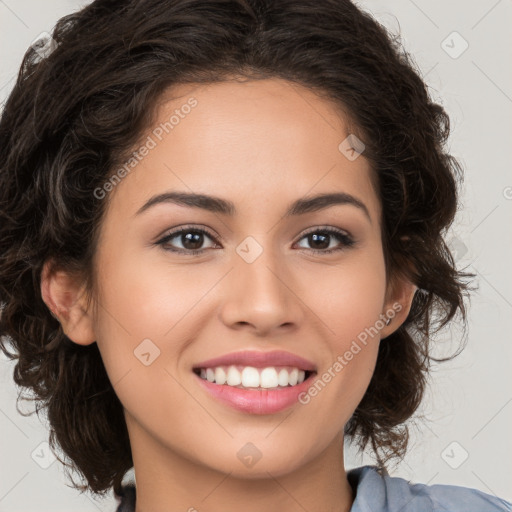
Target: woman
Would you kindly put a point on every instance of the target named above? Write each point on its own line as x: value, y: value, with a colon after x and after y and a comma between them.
x: 222, y: 248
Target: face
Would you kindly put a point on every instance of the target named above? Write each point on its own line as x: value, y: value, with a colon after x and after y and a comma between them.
x: 309, y: 283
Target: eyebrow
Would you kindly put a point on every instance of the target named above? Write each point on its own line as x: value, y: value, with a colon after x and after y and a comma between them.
x: 225, y: 207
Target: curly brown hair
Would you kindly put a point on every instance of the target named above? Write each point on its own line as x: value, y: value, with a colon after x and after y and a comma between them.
x: 73, y: 116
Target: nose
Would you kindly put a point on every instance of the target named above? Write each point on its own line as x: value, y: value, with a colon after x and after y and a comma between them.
x: 261, y: 296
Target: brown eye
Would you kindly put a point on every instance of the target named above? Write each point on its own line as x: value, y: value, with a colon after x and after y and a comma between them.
x: 320, y: 240
x: 191, y: 240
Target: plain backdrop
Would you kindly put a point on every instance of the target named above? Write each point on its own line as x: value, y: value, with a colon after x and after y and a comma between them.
x: 464, y: 50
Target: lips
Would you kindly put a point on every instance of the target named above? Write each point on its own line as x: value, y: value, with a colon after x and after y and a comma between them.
x: 258, y: 359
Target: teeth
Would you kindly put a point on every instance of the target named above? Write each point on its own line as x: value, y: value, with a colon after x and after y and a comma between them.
x: 250, y: 377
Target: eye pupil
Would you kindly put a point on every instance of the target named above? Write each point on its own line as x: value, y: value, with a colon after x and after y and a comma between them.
x: 314, y: 237
x: 195, y: 238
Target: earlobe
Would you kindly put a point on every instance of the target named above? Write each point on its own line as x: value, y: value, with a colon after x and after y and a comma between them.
x: 65, y: 298
x: 400, y: 302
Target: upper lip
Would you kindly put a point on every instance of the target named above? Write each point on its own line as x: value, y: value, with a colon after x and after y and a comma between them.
x: 259, y: 359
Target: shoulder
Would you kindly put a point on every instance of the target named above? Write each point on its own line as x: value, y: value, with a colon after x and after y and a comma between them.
x: 383, y: 493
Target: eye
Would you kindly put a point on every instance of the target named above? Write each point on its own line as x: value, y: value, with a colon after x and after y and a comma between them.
x: 193, y: 238
x: 190, y: 238
x: 321, y: 238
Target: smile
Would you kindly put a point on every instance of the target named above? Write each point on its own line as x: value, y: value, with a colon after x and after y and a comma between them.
x: 255, y: 390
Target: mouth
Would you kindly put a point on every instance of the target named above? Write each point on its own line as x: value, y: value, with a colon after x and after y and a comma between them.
x: 255, y: 390
x: 249, y: 377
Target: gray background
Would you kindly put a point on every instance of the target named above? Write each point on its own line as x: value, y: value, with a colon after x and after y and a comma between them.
x: 466, y: 438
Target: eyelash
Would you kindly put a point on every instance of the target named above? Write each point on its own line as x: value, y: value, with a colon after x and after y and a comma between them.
x: 347, y: 241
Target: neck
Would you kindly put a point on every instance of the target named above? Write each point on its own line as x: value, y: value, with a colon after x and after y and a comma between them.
x: 166, y: 480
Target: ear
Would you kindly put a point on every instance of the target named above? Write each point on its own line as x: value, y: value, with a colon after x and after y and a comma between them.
x: 66, y: 300
x: 398, y: 303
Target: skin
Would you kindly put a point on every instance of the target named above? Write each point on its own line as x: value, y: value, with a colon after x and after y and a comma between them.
x: 261, y: 145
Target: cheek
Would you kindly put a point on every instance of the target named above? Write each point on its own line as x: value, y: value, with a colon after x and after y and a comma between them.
x: 139, y: 325
x: 149, y: 298
x: 349, y: 301
x: 348, y: 297
x: 148, y: 308
x: 348, y: 363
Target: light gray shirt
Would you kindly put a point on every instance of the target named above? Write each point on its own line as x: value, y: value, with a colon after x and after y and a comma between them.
x: 378, y: 493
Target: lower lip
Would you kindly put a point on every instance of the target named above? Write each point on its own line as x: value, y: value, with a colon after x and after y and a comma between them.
x: 255, y: 401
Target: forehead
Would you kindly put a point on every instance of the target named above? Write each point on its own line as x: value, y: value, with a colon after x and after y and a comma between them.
x: 267, y: 138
